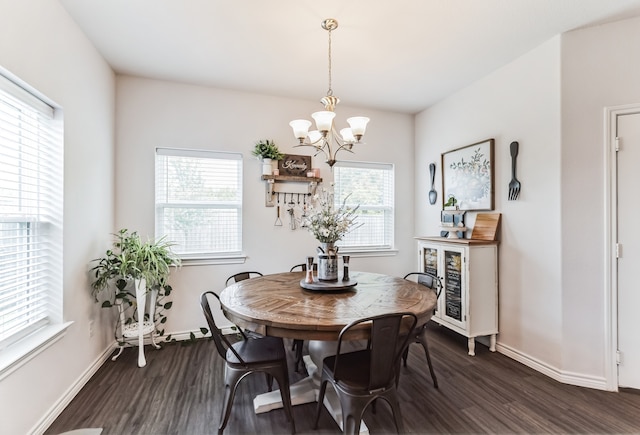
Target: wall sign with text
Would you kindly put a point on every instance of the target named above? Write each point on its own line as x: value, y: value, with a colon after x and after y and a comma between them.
x: 294, y: 165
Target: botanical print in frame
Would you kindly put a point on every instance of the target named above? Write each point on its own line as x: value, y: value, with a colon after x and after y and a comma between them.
x: 467, y: 174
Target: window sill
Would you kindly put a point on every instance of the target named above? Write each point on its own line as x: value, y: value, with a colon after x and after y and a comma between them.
x: 368, y: 253
x: 19, y: 353
x: 205, y: 261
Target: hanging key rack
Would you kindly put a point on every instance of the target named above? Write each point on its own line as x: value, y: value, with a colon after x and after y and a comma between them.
x: 294, y: 202
x: 273, y: 180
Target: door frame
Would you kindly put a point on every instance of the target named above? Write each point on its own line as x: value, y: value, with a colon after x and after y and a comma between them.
x: 611, y: 115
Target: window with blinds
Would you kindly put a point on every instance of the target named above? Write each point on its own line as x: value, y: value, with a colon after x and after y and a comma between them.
x: 199, y: 202
x: 369, y: 186
x: 31, y: 201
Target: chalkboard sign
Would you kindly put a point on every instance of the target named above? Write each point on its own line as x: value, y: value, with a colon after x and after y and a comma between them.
x: 453, y: 285
x: 430, y: 256
x: 294, y: 165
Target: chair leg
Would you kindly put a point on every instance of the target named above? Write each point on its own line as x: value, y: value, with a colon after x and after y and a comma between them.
x: 297, y: 348
x: 269, y: 381
x: 232, y: 378
x: 392, y: 398
x: 350, y: 424
x: 352, y: 412
x: 282, y: 376
x: 423, y: 341
x: 323, y: 388
x: 405, y: 354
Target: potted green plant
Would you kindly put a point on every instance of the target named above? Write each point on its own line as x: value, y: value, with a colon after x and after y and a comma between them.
x: 132, y: 259
x: 145, y: 266
x: 451, y: 204
x: 267, y: 150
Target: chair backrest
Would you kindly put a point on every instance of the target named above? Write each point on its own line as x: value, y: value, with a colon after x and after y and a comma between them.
x: 389, y: 337
x: 426, y: 279
x: 241, y: 276
x: 303, y: 267
x: 222, y: 344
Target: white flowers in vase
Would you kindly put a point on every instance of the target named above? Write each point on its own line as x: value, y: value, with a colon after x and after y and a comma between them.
x: 327, y: 223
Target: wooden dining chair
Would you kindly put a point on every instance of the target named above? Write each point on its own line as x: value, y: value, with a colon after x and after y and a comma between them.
x: 241, y: 276
x: 419, y: 335
x: 249, y: 355
x: 361, y: 377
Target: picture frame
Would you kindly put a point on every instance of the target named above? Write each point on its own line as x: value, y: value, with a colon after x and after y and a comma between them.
x: 294, y: 165
x: 468, y: 175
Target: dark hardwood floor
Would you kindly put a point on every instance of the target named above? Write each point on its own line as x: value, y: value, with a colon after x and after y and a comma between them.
x: 178, y: 392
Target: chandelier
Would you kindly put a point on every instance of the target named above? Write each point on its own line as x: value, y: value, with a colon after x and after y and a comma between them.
x: 326, y: 139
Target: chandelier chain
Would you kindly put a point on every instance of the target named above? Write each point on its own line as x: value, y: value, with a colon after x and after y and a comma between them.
x: 329, y: 91
x: 326, y: 138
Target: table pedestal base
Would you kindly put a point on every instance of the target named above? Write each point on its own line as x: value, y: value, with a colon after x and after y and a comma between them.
x: 307, y: 390
x: 303, y: 391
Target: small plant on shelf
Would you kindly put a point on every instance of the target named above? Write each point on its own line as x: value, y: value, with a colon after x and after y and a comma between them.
x: 267, y: 149
x: 451, y: 203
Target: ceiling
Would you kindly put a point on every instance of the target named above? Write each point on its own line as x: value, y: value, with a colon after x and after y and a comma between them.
x: 401, y: 55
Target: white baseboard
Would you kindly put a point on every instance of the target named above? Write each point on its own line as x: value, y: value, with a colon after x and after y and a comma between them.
x: 571, y: 378
x: 57, y: 408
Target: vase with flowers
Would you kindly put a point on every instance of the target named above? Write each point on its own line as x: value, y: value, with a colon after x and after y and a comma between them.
x: 328, y: 224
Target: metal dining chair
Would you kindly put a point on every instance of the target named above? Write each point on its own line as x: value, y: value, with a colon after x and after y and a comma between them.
x: 302, y: 267
x: 361, y: 377
x: 241, y: 276
x: 419, y: 335
x: 249, y: 355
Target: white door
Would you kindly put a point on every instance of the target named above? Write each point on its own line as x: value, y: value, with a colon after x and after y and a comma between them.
x: 628, y: 238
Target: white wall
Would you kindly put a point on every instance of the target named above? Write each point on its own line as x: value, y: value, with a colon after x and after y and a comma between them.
x: 153, y: 113
x: 551, y: 275
x: 600, y: 68
x: 519, y: 102
x: 553, y: 258
x: 40, y: 44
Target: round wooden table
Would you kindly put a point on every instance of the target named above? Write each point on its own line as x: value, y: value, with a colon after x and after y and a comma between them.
x: 278, y: 306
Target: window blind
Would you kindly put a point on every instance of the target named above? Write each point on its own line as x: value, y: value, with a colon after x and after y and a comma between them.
x: 199, y: 201
x: 31, y: 188
x: 370, y: 187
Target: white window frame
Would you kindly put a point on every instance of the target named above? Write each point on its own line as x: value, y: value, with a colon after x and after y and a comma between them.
x: 163, y: 203
x: 31, y: 268
x: 388, y: 206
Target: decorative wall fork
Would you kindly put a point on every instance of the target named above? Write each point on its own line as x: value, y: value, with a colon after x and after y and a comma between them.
x: 514, y: 184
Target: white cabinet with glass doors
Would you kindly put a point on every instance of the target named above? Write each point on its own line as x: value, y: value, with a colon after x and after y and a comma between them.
x: 468, y: 270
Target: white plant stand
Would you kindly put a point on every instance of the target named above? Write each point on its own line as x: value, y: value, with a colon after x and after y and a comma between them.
x: 141, y: 328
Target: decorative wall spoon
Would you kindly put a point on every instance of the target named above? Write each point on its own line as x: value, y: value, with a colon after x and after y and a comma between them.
x: 432, y: 193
